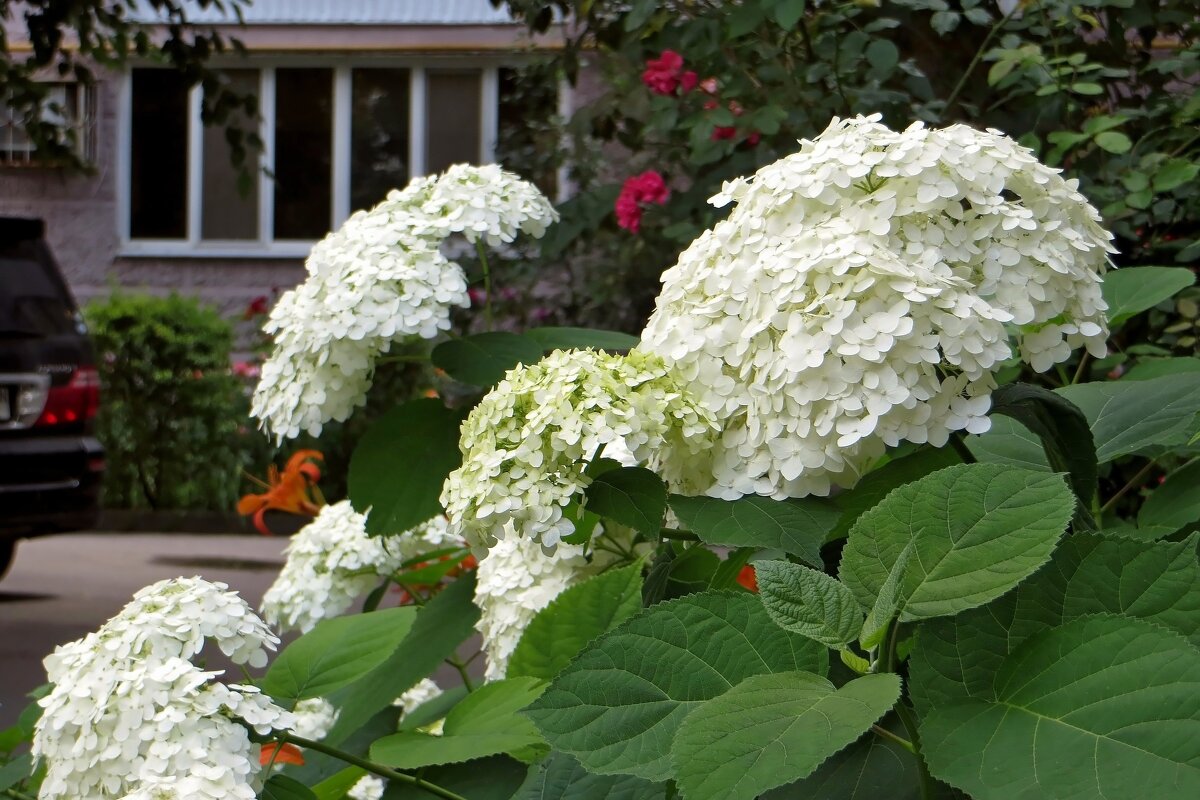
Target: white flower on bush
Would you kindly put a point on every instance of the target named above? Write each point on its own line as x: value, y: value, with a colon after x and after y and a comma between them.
x: 315, y: 717
x: 129, y: 715
x: 863, y: 291
x: 368, y: 787
x: 379, y: 279
x: 332, y: 561
x: 526, y: 445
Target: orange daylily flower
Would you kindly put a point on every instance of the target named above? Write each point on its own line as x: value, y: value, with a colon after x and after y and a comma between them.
x: 293, y: 491
x: 276, y: 753
x: 748, y: 578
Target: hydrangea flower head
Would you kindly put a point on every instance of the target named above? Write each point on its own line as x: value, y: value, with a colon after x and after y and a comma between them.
x: 314, y: 718
x: 332, y: 561
x: 130, y: 715
x: 379, y: 279
x: 526, y: 445
x: 862, y: 292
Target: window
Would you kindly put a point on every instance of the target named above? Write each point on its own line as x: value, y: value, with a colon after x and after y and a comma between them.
x: 68, y: 105
x: 337, y: 138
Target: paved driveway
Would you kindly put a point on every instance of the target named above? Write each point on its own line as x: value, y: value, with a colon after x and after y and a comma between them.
x: 62, y: 587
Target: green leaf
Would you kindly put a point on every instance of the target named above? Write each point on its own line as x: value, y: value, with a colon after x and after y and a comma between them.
x: 977, y: 530
x: 400, y: 464
x: 485, y: 723
x: 1129, y: 416
x: 1087, y: 88
x: 883, y: 56
x: 788, y: 12
x: 336, y: 652
x: 336, y: 785
x: 492, y: 778
x: 441, y: 626
x: 1100, y: 707
x: 870, y: 769
x: 774, y: 729
x: 1176, y: 503
x: 878, y: 482
x: 1132, y: 290
x: 574, y: 618
x: 281, y: 787
x: 999, y: 71
x: 1114, y: 142
x: 633, y: 496
x: 1158, y: 367
x: 727, y: 572
x: 1175, y: 173
x: 561, y: 776
x: 482, y: 359
x: 617, y: 706
x: 1089, y: 574
x: 578, y: 338
x: 1062, y: 428
x: 797, y: 527
x: 808, y: 602
x: 1011, y: 443
x: 887, y: 602
x: 16, y: 771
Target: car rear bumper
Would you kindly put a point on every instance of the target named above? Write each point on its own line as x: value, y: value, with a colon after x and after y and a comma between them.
x: 49, y: 484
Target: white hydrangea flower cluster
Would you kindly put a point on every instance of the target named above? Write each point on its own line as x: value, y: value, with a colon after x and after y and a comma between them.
x: 527, y: 443
x: 425, y: 690
x: 859, y: 293
x: 378, y: 279
x: 516, y: 580
x: 315, y: 717
x: 332, y: 561
x: 368, y: 787
x: 130, y: 716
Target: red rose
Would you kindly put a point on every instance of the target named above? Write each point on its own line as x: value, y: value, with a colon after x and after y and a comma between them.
x: 649, y: 187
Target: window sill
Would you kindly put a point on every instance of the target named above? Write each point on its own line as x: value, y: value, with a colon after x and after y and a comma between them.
x: 245, y: 250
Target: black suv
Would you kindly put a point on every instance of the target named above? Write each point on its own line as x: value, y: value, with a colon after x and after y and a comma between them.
x: 50, y: 462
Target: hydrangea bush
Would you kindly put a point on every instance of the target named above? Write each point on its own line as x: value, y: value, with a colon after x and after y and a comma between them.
x: 805, y: 537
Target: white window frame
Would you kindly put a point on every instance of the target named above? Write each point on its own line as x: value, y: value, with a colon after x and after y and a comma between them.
x: 16, y: 150
x: 192, y: 246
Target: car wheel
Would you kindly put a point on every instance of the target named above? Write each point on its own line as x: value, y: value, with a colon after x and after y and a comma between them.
x: 7, y: 550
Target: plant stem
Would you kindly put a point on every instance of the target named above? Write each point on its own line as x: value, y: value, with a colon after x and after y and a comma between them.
x: 678, y: 535
x: 900, y: 740
x: 1083, y: 360
x: 928, y: 788
x: 960, y: 447
x: 457, y: 663
x: 487, y: 283
x: 370, y: 766
x: 962, y: 81
x: 1134, y: 481
x: 13, y: 793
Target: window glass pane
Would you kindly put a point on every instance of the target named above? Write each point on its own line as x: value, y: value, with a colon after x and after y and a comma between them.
x: 303, y: 153
x: 452, y: 119
x: 378, y: 134
x: 228, y: 201
x: 158, y: 157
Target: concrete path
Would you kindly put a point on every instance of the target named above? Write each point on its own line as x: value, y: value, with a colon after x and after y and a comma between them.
x: 62, y: 587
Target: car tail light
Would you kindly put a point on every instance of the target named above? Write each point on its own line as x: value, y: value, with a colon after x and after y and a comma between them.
x: 75, y: 402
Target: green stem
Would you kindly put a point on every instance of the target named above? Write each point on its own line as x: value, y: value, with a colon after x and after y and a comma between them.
x: 457, y: 663
x: 1083, y: 360
x: 962, y: 81
x: 678, y: 535
x: 487, y: 283
x: 13, y: 793
x: 900, y: 740
x: 1133, y: 482
x: 928, y: 787
x: 370, y: 766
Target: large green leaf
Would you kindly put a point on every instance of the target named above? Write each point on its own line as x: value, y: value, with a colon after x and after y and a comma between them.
x: 336, y: 785
x: 617, y: 706
x: 491, y: 778
x: 561, y: 776
x: 1176, y: 503
x: 441, y: 626
x: 1011, y: 443
x: 576, y: 338
x: 870, y: 769
x: 887, y: 602
x: 1089, y: 574
x: 15, y: 771
x: 484, y: 723
x: 1127, y: 416
x: 281, y: 787
x: 632, y: 496
x: 977, y: 530
x: 336, y: 652
x: 1062, y: 428
x: 797, y: 527
x: 774, y: 729
x: 574, y: 618
x: 1132, y: 290
x: 400, y: 464
x: 876, y: 484
x: 482, y: 358
x: 1102, y: 706
x: 809, y: 602
x: 1158, y: 367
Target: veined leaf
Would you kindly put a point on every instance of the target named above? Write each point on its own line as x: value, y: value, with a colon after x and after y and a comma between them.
x: 561, y: 776
x: 481, y: 359
x: 484, y: 723
x: 336, y: 652
x: 1102, y: 706
x: 876, y: 484
x: 774, y: 729
x: 632, y: 496
x: 1009, y: 442
x: 808, y: 602
x: 887, y: 602
x: 281, y: 787
x: 1089, y: 574
x: 1176, y: 503
x: 870, y: 769
x: 1132, y: 290
x: 574, y: 618
x: 1127, y: 416
x: 797, y: 527
x: 976, y: 531
x: 617, y: 706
